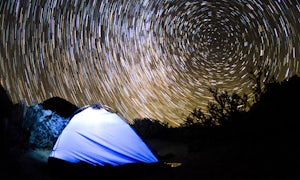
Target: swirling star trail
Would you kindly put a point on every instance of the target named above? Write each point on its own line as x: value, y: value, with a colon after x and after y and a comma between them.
x: 144, y: 58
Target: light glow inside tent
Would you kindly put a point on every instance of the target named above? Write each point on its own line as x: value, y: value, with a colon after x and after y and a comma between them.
x: 99, y: 137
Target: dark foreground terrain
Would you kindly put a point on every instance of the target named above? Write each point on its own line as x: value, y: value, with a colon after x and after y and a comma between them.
x: 219, y: 162
x: 260, y: 144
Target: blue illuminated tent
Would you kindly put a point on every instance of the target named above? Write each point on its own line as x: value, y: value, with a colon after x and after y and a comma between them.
x: 100, y: 137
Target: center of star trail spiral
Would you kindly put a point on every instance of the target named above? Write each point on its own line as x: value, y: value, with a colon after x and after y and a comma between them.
x: 144, y: 58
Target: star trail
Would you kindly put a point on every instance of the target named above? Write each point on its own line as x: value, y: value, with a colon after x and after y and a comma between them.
x: 144, y: 58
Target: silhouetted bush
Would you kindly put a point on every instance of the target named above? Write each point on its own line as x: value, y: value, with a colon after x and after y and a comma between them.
x: 149, y: 128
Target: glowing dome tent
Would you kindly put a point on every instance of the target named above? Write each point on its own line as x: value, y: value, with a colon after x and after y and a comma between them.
x: 100, y: 137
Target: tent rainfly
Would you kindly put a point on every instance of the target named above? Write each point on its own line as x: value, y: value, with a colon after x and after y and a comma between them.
x: 100, y: 137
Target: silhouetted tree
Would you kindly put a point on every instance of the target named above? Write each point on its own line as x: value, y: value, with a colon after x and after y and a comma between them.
x: 226, y: 106
x: 197, y: 117
x: 220, y: 111
x: 261, y: 79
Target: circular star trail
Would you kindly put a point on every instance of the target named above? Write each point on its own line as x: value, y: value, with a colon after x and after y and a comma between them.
x: 144, y: 58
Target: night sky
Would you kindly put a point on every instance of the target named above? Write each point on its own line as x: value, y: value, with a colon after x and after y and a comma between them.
x: 144, y: 58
